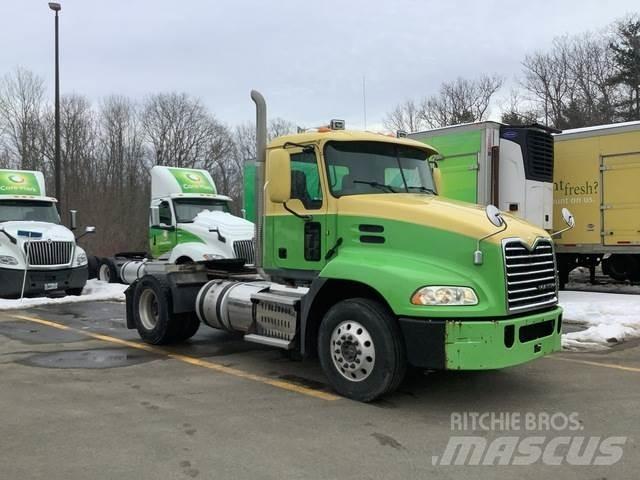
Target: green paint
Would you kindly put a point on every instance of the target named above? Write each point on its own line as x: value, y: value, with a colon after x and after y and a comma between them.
x: 18, y: 183
x: 193, y: 181
x: 249, y: 199
x: 459, y: 167
x: 411, y: 257
x: 479, y: 345
x: 162, y: 241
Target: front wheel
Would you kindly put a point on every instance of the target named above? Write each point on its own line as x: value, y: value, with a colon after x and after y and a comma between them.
x: 107, y: 271
x: 361, y: 349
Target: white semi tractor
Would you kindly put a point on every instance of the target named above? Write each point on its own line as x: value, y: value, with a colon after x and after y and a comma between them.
x: 195, y: 225
x: 38, y: 255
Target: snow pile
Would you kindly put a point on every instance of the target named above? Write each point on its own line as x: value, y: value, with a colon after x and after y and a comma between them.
x: 609, y: 318
x: 94, y: 290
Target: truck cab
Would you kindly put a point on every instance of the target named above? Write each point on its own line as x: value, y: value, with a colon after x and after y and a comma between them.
x: 37, y: 253
x: 195, y: 221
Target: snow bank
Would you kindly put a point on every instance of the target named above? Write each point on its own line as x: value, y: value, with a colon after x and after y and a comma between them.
x: 93, y: 290
x: 609, y: 318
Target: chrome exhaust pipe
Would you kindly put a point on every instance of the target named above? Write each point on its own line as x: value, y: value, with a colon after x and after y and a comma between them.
x: 261, y: 157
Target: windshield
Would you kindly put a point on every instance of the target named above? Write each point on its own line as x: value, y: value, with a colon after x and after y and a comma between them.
x: 187, y: 208
x: 28, y: 211
x: 356, y: 168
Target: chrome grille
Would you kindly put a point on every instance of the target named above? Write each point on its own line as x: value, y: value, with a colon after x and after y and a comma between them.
x: 244, y: 249
x: 531, y: 275
x: 44, y: 253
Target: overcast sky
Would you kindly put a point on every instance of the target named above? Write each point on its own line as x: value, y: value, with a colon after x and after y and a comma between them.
x: 307, y: 57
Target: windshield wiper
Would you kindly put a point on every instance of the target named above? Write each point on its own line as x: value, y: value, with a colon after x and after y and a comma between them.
x: 377, y: 185
x: 423, y: 189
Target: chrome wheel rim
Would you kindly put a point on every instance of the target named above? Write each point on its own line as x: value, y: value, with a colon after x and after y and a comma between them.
x: 104, y: 274
x: 352, y: 351
x: 148, y: 309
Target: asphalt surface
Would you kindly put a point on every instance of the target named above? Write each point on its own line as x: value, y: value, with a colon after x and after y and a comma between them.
x: 83, y: 403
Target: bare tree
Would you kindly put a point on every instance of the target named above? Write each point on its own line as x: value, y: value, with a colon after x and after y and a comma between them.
x: 178, y: 128
x: 407, y: 116
x: 21, y: 109
x: 461, y: 101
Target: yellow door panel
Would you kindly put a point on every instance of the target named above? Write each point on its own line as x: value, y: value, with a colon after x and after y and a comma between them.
x: 621, y: 199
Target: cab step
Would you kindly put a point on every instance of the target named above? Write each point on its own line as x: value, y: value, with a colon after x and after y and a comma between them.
x: 270, y: 341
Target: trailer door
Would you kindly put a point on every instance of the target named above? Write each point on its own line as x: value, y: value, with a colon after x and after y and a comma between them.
x: 621, y: 199
x: 460, y: 177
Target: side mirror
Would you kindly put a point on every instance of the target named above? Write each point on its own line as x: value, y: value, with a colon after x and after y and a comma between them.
x: 90, y: 229
x: 568, y: 218
x: 73, y: 222
x: 243, y: 212
x: 494, y: 215
x: 155, y: 216
x: 278, y: 181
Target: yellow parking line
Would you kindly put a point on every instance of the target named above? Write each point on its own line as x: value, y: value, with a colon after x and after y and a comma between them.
x: 597, y: 364
x: 187, y: 359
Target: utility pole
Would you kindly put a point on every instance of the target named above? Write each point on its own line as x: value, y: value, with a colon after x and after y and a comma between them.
x: 58, y: 181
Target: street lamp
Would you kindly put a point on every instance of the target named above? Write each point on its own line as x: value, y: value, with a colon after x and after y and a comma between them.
x: 56, y: 7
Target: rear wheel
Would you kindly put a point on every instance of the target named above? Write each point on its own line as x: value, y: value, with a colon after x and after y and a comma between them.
x: 153, y: 316
x: 107, y: 271
x: 93, y: 263
x: 361, y: 350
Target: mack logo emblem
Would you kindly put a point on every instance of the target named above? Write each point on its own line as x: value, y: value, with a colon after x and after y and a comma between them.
x: 546, y: 286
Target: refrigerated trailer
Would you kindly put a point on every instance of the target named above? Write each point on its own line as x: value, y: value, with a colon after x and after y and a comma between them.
x: 493, y: 163
x: 358, y: 261
x: 597, y: 175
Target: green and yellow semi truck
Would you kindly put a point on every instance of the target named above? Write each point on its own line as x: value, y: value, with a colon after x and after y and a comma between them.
x: 360, y: 262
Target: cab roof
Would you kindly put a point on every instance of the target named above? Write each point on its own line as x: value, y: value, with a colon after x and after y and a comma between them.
x: 348, y: 136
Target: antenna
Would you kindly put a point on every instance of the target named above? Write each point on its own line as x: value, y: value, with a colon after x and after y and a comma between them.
x: 364, y: 100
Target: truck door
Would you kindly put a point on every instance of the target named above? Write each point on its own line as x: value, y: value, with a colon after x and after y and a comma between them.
x: 620, y: 199
x: 299, y: 239
x: 163, y: 238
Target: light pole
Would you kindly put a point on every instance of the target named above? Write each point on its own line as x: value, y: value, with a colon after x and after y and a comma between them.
x: 56, y: 8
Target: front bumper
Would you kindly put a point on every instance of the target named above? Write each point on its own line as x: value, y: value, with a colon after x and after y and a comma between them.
x: 481, y: 344
x: 66, y: 279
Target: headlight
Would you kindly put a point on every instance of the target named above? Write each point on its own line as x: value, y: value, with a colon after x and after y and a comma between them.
x: 81, y: 259
x: 8, y: 260
x: 443, y: 295
x: 212, y: 256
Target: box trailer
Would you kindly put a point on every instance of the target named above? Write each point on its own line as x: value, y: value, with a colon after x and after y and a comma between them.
x: 493, y: 163
x: 597, y: 175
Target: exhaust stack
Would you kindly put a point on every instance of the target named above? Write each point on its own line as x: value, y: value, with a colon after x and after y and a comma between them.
x: 261, y: 157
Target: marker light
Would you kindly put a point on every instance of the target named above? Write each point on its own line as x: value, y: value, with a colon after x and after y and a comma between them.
x: 443, y: 295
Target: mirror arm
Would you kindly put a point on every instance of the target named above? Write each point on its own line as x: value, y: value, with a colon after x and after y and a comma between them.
x: 306, y: 218
x: 478, y: 257
x: 561, y: 231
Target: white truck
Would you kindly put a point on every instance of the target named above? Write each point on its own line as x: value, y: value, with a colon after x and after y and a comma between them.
x: 38, y: 255
x: 195, y: 225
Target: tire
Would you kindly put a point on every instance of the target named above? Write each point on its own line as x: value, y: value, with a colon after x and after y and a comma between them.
x: 372, y: 339
x: 107, y: 271
x: 93, y: 263
x: 153, y: 317
x: 615, y: 266
x: 74, y: 291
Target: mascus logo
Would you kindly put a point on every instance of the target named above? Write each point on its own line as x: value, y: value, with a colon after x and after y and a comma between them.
x: 543, y: 287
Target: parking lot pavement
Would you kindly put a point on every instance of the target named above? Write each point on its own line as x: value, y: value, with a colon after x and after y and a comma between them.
x: 91, y: 402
